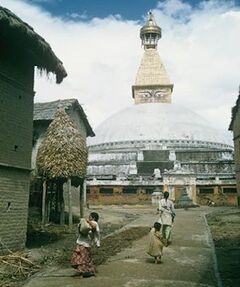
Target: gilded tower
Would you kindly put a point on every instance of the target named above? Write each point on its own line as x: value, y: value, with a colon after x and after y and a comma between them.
x: 152, y: 84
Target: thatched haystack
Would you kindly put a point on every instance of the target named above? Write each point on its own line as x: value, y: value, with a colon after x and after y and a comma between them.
x: 19, y: 42
x: 63, y: 152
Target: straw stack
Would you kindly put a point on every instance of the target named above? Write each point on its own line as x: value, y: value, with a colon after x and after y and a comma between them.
x: 63, y: 152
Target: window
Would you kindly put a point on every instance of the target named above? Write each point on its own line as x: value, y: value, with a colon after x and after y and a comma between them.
x: 130, y: 190
x: 106, y: 191
x: 229, y: 190
x: 205, y: 190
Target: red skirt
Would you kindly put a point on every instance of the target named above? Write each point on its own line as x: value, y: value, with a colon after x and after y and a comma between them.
x: 82, y: 260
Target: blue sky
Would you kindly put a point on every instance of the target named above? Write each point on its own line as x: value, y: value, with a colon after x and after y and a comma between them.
x: 88, y: 9
x: 199, y: 48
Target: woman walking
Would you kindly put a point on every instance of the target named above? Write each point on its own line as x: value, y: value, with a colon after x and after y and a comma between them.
x: 167, y: 214
x: 88, y: 233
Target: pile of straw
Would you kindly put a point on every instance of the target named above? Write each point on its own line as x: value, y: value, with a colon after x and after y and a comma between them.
x: 63, y: 152
x: 16, y: 265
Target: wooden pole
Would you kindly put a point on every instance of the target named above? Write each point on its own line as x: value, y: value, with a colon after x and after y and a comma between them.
x: 79, y: 206
x: 85, y: 193
x: 81, y: 198
x: 48, y: 202
x: 44, y: 202
x: 60, y: 202
x: 70, y: 220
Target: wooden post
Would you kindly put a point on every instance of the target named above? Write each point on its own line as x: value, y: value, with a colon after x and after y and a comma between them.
x: 44, y: 202
x: 70, y: 220
x: 85, y: 193
x: 60, y: 202
x: 81, y: 198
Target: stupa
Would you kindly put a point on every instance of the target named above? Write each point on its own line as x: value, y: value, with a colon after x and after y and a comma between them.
x: 149, y: 137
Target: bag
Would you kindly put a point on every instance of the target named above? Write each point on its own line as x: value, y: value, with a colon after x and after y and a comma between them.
x: 84, y: 226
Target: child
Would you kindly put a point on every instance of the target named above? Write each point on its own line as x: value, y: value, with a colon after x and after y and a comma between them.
x: 156, y: 242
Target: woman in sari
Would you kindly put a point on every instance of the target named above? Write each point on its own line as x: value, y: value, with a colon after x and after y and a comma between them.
x: 89, y: 233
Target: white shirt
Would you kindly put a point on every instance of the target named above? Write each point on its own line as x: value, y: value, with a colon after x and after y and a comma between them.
x: 166, y: 210
x: 92, y: 236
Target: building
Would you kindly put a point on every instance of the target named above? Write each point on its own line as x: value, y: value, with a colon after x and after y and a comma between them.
x: 44, y: 114
x: 21, y: 50
x: 235, y: 127
x: 158, y: 144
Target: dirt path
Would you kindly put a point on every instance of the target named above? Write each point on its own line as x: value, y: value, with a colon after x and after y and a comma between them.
x: 189, y: 261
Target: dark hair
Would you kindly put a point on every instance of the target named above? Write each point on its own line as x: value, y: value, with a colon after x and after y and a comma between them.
x: 157, y: 226
x: 166, y: 194
x: 95, y: 216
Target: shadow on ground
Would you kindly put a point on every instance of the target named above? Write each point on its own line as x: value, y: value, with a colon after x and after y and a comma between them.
x: 225, y: 229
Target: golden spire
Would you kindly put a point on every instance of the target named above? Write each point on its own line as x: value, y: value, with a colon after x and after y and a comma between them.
x: 152, y: 84
x: 150, y: 33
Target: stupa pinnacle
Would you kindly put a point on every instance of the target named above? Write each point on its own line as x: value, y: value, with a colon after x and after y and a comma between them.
x: 150, y: 33
x: 152, y: 84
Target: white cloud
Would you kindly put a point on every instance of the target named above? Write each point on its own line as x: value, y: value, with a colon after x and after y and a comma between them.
x: 82, y: 16
x: 175, y: 8
x: 200, y: 49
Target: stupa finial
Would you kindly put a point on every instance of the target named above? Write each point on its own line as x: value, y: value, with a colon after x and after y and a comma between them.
x: 150, y: 33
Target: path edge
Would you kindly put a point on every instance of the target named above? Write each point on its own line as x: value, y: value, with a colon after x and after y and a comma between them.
x: 214, y: 256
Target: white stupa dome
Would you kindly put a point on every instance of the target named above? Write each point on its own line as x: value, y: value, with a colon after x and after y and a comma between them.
x: 157, y: 122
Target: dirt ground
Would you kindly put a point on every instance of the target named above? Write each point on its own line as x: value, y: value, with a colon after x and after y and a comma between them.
x: 54, y: 247
x: 225, y: 228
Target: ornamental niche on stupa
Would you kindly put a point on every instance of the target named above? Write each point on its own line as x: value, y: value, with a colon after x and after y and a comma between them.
x: 154, y: 133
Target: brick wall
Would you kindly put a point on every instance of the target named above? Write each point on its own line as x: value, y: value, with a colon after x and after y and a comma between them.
x: 118, y: 196
x: 16, y: 114
x: 14, y: 192
x: 217, y: 196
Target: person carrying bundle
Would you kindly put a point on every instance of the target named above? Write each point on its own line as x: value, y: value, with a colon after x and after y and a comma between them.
x: 88, y: 233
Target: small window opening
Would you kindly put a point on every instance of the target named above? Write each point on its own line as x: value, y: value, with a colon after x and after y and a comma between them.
x: 8, y: 206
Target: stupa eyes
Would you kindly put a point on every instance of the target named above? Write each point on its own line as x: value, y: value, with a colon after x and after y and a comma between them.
x: 146, y: 94
x: 160, y: 94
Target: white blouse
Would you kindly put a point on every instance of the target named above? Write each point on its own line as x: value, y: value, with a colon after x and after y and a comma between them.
x: 92, y: 236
